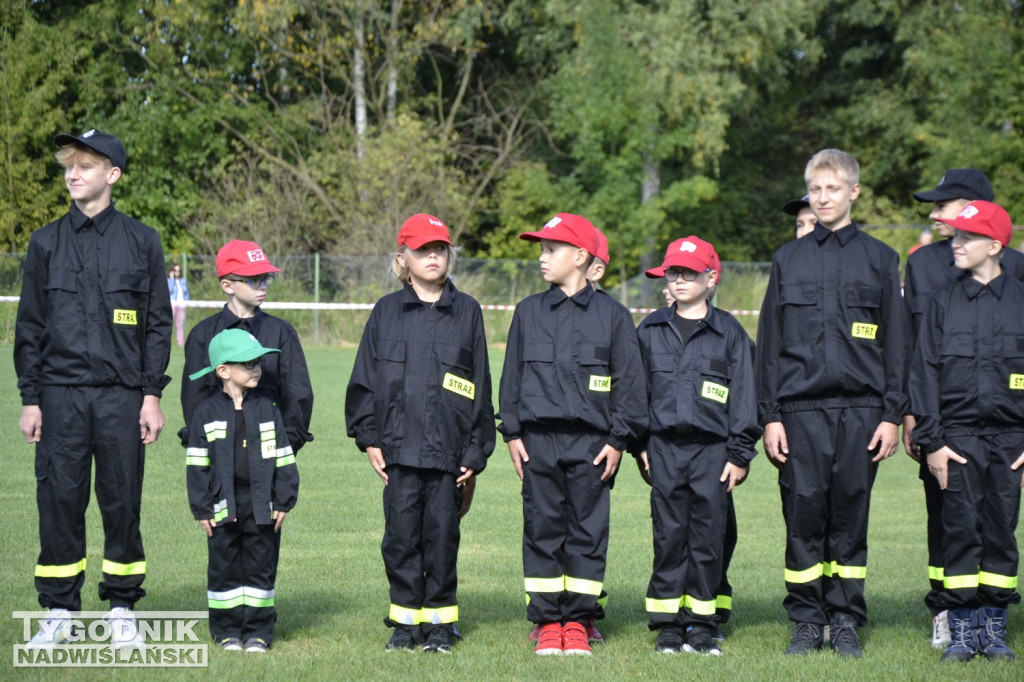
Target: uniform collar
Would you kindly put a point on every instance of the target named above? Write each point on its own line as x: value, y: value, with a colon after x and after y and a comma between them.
x: 409, y: 296
x: 231, y: 321
x: 973, y: 287
x: 844, y: 234
x: 713, y: 320
x: 100, y: 221
x: 554, y: 295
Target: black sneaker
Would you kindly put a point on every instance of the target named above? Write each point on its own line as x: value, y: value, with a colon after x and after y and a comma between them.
x: 440, y: 639
x: 401, y: 640
x: 806, y: 637
x: 670, y: 640
x: 843, y: 636
x: 700, y: 641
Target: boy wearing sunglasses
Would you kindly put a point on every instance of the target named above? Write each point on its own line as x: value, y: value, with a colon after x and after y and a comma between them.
x: 245, y: 275
x: 242, y: 481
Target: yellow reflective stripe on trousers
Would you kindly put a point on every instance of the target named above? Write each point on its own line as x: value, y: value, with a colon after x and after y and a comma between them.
x: 114, y: 568
x: 960, y: 582
x: 723, y: 601
x: 664, y: 605
x: 582, y: 586
x: 701, y: 608
x: 404, y: 616
x: 445, y: 614
x: 60, y: 571
x: 1008, y: 582
x: 546, y: 584
x: 936, y: 573
x: 848, y: 572
x: 805, y: 576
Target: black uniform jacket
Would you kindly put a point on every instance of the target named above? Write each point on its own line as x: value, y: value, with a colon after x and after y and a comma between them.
x: 94, y: 307
x: 573, y: 363
x: 421, y: 386
x: 967, y: 373
x: 273, y: 474
x: 833, y: 330
x: 705, y: 389
x: 285, y: 376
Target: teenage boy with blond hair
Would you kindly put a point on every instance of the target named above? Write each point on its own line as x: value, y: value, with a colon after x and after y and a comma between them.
x: 831, y: 349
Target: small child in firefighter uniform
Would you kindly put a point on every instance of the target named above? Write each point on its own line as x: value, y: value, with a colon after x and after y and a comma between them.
x: 419, y: 404
x: 242, y: 481
x: 967, y: 395
x: 698, y: 362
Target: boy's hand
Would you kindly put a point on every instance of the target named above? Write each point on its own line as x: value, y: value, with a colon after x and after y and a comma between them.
x: 278, y: 517
x: 517, y: 451
x: 31, y: 423
x: 644, y: 465
x: 886, y: 439
x: 775, y: 444
x: 610, y: 456
x: 938, y: 464
x: 467, y: 474
x: 909, y: 446
x: 467, y: 496
x: 151, y: 419
x: 208, y: 525
x: 1017, y: 465
x: 376, y: 457
x: 734, y: 475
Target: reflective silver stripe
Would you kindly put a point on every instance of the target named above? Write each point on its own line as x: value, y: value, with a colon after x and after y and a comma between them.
x: 226, y: 594
x: 285, y: 451
x: 216, y: 430
x: 197, y: 457
x: 267, y: 432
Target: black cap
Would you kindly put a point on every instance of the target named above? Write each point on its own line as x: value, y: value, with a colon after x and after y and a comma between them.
x: 960, y: 183
x: 796, y: 205
x: 101, y: 143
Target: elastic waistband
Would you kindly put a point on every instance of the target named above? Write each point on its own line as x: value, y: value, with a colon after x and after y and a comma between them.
x: 832, y: 403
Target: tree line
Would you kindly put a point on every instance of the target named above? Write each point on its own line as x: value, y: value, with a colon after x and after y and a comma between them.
x: 319, y: 125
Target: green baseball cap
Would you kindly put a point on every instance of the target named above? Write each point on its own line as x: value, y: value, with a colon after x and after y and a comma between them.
x: 232, y: 345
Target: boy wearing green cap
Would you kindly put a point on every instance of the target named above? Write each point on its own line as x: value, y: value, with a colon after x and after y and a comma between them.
x: 242, y: 481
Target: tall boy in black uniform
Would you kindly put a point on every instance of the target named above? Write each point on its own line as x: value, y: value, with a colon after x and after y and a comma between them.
x: 245, y: 275
x: 572, y: 396
x: 242, y: 482
x: 831, y: 349
x: 91, y: 348
x: 703, y: 416
x: 967, y: 394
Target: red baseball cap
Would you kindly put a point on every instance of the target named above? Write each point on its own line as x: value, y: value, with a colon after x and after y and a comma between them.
x: 245, y: 259
x: 568, y: 228
x: 421, y: 229
x: 602, y: 246
x: 689, y: 252
x: 984, y: 217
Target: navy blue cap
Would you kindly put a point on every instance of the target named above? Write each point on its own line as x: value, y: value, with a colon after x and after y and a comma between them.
x: 104, y: 144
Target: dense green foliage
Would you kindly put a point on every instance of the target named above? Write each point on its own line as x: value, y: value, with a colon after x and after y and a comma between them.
x: 318, y: 125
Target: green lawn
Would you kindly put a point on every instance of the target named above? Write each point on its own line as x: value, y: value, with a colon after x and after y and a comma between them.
x: 332, y: 591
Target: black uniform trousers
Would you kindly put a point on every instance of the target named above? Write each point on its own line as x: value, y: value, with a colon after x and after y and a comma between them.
x: 980, y: 510
x: 689, y: 508
x: 565, y: 524
x: 421, y: 545
x: 933, y: 505
x: 82, y: 423
x: 826, y: 491
x: 240, y: 575
x: 723, y: 601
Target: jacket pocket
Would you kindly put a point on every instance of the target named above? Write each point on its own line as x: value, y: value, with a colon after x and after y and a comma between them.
x: 801, y: 321
x: 595, y: 371
x: 711, y: 403
x: 538, y: 371
x: 864, y: 305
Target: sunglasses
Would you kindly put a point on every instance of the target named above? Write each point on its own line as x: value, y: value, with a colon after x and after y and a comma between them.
x: 255, y: 282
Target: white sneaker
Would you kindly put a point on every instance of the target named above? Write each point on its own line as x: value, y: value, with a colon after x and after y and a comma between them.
x: 124, y: 631
x: 941, y: 636
x: 56, y: 630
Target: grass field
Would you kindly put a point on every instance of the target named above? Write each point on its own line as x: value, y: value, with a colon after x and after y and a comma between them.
x: 332, y: 592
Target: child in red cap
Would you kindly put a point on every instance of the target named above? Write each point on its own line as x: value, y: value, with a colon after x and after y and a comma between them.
x: 419, y: 404
x: 245, y: 275
x: 967, y: 396
x: 572, y: 396
x: 703, y: 429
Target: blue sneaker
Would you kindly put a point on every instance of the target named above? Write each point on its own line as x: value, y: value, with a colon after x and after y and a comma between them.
x: 992, y: 634
x: 963, y: 628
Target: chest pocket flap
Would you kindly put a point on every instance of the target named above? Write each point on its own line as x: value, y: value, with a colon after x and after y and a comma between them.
x: 392, y: 350
x: 801, y: 293
x: 127, y: 281
x: 538, y: 352
x: 663, y: 362
x: 1013, y: 346
x: 960, y: 345
x: 592, y: 354
x: 457, y: 356
x: 863, y: 297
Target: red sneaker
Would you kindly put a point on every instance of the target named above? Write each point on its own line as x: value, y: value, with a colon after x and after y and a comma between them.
x: 574, y: 640
x: 593, y: 636
x: 549, y: 640
x: 534, y: 634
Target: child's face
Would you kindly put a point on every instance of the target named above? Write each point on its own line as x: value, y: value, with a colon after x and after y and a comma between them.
x: 971, y: 250
x: 89, y: 176
x: 946, y: 210
x: 559, y: 260
x: 427, y: 264
x: 241, y: 375
x: 689, y: 286
x: 249, y: 291
x: 831, y: 198
x: 805, y: 222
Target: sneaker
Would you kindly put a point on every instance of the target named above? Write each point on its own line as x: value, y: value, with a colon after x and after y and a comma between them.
x: 574, y: 639
x: 940, y: 631
x: 440, y: 639
x: 255, y: 645
x: 992, y: 634
x: 963, y: 630
x: 230, y: 644
x: 124, y: 631
x: 806, y: 637
x: 534, y: 633
x: 593, y: 635
x: 718, y: 635
x: 700, y: 641
x: 549, y: 640
x: 843, y: 637
x: 670, y: 640
x: 57, y: 629
x: 401, y: 640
